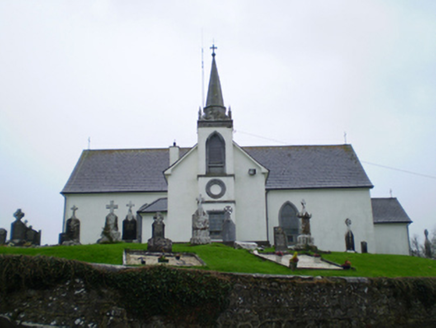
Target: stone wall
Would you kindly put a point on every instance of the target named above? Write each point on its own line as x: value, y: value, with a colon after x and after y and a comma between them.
x: 254, y: 301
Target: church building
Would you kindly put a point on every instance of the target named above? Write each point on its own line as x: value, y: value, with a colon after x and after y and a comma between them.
x: 260, y: 187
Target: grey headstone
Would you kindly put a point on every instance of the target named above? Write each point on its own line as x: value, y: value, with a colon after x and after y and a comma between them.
x: 129, y: 229
x: 3, y: 234
x: 110, y: 231
x: 18, y: 228
x: 229, y: 228
x: 158, y: 242
x: 364, y: 246
x: 158, y: 227
x: 71, y: 236
x: 200, y: 225
x: 129, y: 225
x: 200, y: 229
x: 73, y: 230
x: 280, y: 239
x: 349, y: 237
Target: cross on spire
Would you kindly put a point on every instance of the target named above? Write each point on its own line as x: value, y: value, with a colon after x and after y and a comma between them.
x: 112, y: 206
x: 213, y: 49
x: 74, y: 209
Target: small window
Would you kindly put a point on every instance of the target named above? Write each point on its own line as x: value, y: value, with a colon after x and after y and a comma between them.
x: 215, y: 154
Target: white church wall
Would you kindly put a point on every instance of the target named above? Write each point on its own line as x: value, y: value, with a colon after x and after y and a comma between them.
x: 250, y: 199
x: 182, y: 194
x: 92, y: 211
x: 329, y: 208
x: 392, y: 238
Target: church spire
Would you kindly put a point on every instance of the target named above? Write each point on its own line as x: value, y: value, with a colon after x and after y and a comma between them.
x: 214, y: 109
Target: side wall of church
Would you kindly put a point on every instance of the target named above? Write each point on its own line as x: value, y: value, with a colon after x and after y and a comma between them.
x: 92, y: 211
x: 182, y: 195
x: 329, y: 208
x: 250, y: 199
x: 392, y: 238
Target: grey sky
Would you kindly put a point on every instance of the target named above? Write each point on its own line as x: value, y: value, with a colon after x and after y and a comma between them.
x: 128, y: 75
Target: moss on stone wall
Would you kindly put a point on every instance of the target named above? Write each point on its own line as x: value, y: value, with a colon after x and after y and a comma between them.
x: 69, y: 293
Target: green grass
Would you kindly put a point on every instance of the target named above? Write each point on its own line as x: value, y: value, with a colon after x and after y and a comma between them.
x: 219, y: 257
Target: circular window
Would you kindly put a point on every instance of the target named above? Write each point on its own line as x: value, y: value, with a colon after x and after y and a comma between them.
x: 215, y: 188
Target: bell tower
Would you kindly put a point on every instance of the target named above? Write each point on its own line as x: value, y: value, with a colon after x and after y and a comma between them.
x: 216, y: 173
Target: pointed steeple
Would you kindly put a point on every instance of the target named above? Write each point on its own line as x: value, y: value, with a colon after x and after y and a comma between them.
x: 214, y: 93
x: 214, y: 109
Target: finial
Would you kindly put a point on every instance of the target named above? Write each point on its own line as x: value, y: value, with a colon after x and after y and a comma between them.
x: 213, y: 50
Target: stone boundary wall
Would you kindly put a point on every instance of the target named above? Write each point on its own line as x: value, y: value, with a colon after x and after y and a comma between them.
x: 254, y: 301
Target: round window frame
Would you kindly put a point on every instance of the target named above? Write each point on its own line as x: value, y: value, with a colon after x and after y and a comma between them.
x: 212, y: 183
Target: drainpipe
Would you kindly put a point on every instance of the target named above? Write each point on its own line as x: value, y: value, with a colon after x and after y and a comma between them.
x: 266, y: 216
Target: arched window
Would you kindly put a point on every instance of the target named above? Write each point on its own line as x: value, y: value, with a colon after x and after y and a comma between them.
x: 215, y: 154
x: 289, y: 221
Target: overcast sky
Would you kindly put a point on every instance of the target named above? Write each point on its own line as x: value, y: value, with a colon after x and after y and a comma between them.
x: 127, y: 74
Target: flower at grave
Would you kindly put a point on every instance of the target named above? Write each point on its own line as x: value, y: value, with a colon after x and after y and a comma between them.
x: 294, y: 258
x: 316, y: 255
x: 346, y: 265
x: 279, y: 253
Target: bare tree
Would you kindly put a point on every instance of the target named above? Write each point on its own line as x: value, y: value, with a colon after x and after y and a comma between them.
x: 416, y: 247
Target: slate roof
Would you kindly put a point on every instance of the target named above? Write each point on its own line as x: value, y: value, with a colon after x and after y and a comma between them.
x: 159, y: 205
x: 388, y: 210
x: 302, y: 167
x: 122, y: 170
x: 291, y: 167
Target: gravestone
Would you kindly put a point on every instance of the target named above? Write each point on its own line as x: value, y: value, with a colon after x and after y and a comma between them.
x: 427, y: 245
x: 349, y: 237
x: 3, y: 234
x: 18, y: 229
x: 110, y: 231
x: 229, y: 228
x: 129, y: 225
x: 33, y: 237
x: 158, y: 242
x: 200, y: 225
x: 305, y: 238
x: 280, y: 239
x: 71, y: 236
x: 364, y: 247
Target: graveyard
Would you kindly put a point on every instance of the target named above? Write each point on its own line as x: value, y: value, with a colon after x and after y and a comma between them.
x: 222, y: 258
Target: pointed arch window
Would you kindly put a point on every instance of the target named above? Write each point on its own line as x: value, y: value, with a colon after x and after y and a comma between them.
x: 215, y: 154
x: 289, y: 221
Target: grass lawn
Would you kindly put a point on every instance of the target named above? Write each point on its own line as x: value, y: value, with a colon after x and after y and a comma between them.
x: 219, y: 257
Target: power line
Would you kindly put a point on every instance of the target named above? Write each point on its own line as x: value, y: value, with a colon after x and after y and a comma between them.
x: 400, y: 170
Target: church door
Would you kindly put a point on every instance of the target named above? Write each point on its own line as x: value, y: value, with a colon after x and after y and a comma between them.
x: 216, y: 220
x: 289, y: 221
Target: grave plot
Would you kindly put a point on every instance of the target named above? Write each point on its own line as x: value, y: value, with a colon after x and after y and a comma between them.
x: 141, y: 257
x: 305, y: 261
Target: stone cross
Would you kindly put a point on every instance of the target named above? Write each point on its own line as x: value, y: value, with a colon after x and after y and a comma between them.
x: 18, y: 214
x: 303, y: 204
x: 130, y: 205
x: 112, y: 206
x: 74, y: 209
x: 200, y: 201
